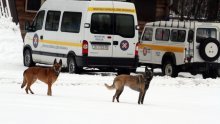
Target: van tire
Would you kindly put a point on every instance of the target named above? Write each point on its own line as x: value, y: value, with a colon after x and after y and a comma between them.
x: 72, y: 67
x: 27, y: 58
x: 169, y: 69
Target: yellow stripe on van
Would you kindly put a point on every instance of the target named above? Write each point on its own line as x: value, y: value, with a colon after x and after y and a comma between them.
x: 163, y: 48
x: 62, y: 43
x: 101, y: 9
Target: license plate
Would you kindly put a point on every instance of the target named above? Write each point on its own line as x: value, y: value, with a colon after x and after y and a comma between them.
x: 100, y: 47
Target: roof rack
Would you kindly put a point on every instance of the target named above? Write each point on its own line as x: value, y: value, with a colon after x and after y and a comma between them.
x: 174, y: 24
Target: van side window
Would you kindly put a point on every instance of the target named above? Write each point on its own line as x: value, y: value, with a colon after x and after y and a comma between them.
x: 178, y: 35
x: 203, y: 33
x: 148, y: 34
x: 38, y: 22
x: 71, y: 22
x: 52, y: 21
x: 124, y: 28
x: 162, y: 34
x: 101, y: 23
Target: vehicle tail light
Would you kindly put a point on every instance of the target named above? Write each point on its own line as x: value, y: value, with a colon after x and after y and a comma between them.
x: 136, y: 49
x: 85, y: 48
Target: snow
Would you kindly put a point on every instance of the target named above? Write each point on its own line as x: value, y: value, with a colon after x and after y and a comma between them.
x: 83, y: 99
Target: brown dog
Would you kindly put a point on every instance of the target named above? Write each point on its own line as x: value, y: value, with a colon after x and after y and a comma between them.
x: 138, y: 83
x: 46, y: 75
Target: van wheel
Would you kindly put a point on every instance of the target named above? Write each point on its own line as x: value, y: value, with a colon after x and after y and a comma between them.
x: 169, y: 69
x: 72, y: 67
x: 27, y: 58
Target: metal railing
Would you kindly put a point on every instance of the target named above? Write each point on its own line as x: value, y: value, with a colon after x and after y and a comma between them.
x: 4, y: 9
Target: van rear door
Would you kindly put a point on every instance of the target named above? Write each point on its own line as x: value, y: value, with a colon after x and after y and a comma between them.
x: 124, y: 42
x: 100, y: 35
x: 126, y: 35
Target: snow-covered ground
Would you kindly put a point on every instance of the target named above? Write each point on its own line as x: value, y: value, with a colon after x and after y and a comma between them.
x: 83, y: 99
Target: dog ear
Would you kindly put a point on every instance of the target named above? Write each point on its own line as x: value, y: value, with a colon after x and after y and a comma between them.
x: 55, y: 61
x: 60, y: 62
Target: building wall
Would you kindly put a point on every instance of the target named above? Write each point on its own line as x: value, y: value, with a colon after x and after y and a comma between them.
x: 23, y: 16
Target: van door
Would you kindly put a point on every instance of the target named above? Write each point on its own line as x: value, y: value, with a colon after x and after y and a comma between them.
x: 100, y: 35
x: 50, y: 44
x: 124, y: 41
x: 33, y: 36
x: 145, y: 50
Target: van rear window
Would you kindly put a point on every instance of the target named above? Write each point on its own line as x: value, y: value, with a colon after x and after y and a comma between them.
x: 101, y: 23
x: 116, y: 24
x: 71, y: 22
x: 203, y: 33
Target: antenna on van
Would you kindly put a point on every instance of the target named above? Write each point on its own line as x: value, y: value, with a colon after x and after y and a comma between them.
x: 165, y: 23
x: 159, y: 23
x: 153, y: 23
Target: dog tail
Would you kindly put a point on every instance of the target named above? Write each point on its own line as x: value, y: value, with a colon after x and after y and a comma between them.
x: 110, y: 87
x: 24, y: 80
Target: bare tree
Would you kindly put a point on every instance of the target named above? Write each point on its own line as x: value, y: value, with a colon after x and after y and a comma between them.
x: 197, y: 9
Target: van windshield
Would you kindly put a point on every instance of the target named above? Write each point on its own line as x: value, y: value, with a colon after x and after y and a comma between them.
x: 114, y: 24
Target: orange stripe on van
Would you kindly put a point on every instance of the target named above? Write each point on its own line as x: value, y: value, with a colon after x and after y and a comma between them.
x: 163, y: 48
x: 102, y: 9
x: 62, y: 43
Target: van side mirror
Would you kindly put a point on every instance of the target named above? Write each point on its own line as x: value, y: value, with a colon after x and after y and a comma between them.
x: 190, y: 36
x: 86, y: 25
x: 137, y: 27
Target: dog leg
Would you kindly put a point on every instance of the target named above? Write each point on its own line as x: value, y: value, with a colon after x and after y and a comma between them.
x: 26, y: 89
x: 117, y: 98
x: 116, y: 94
x: 140, y: 97
x: 142, y: 100
x: 49, y: 91
x: 30, y: 86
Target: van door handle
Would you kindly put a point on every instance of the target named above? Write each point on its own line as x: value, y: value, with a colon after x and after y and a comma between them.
x: 41, y: 37
x: 115, y: 42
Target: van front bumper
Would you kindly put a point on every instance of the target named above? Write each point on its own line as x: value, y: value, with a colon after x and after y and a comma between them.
x: 106, y: 62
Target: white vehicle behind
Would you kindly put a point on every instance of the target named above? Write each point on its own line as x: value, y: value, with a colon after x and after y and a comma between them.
x: 181, y: 47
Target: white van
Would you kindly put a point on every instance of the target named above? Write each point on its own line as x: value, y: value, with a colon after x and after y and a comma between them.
x: 96, y: 34
x: 181, y: 47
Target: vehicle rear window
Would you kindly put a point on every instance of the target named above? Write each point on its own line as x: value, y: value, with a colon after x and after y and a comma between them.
x: 203, y: 33
x: 101, y: 23
x: 52, y: 21
x: 71, y: 22
x: 178, y: 35
x: 124, y: 25
x: 117, y: 24
x: 162, y: 34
